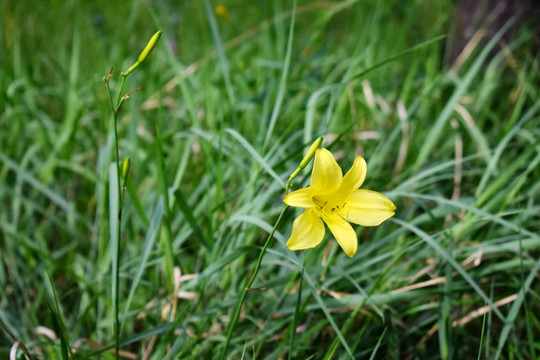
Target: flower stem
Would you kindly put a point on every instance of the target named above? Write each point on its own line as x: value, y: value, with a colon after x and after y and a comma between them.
x: 234, y: 319
x: 116, y: 254
x: 240, y: 301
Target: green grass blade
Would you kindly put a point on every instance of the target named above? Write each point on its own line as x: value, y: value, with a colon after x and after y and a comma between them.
x: 58, y: 321
x: 136, y: 201
x: 36, y: 184
x: 220, y: 50
x: 114, y: 225
x: 327, y: 314
x: 434, y: 134
x: 502, y: 146
x: 374, y: 352
x: 190, y: 218
x: 398, y: 56
x: 160, y: 329
x: 255, y: 155
x: 148, y: 245
x: 283, y: 80
x: 296, y: 315
x: 431, y: 242
x: 515, y: 308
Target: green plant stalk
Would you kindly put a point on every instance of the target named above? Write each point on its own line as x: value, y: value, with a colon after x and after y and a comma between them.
x: 306, y: 159
x: 238, y: 307
x: 116, y: 263
x: 116, y: 260
x: 236, y: 313
x: 119, y: 99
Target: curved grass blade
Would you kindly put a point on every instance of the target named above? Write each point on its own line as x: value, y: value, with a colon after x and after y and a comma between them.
x: 190, y: 218
x: 435, y: 132
x: 283, y: 81
x: 514, y: 310
x: 254, y: 154
x: 431, y: 242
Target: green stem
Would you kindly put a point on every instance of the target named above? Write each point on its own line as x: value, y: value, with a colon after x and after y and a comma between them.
x: 236, y: 313
x: 118, y: 236
x: 243, y: 294
x: 116, y: 263
x: 119, y: 97
x: 240, y: 301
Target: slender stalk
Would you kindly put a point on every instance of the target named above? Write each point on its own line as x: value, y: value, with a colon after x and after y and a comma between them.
x: 307, y: 158
x: 240, y: 301
x: 118, y: 237
x: 119, y: 97
x: 116, y: 261
x: 120, y: 178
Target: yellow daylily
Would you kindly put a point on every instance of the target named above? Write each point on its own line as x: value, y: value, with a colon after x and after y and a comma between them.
x: 335, y: 199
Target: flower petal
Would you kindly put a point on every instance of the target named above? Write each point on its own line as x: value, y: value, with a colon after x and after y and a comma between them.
x: 354, y: 178
x: 368, y: 208
x: 326, y: 175
x: 300, y: 198
x: 344, y: 234
x: 308, y: 231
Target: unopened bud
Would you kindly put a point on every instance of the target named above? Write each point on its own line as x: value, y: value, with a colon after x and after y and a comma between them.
x: 149, y: 47
x: 307, y: 158
x: 125, y: 170
x: 311, y: 152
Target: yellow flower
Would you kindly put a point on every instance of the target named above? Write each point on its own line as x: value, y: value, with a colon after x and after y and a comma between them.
x: 335, y: 199
x: 222, y: 12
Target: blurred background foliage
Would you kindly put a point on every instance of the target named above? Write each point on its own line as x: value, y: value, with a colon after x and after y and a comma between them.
x: 450, y: 132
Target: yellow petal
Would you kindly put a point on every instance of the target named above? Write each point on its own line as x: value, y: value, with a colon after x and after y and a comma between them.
x: 344, y: 234
x: 300, y: 198
x: 308, y: 231
x: 368, y: 208
x: 354, y: 178
x: 326, y: 175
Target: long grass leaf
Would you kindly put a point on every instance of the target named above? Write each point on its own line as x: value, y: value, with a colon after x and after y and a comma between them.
x: 114, y: 225
x: 148, y: 245
x: 220, y: 50
x: 283, y: 80
x: 514, y: 310
x: 435, y: 132
x: 190, y: 218
x: 58, y: 320
x: 431, y: 242
x: 255, y: 154
x: 132, y: 191
x: 502, y: 146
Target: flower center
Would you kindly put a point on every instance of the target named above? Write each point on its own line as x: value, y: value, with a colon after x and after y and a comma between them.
x: 327, y: 206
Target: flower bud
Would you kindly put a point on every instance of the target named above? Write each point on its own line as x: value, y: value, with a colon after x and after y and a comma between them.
x: 311, y: 152
x: 149, y: 47
x: 307, y: 158
x: 125, y: 170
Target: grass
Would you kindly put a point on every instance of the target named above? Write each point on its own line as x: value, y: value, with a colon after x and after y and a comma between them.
x: 226, y: 109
